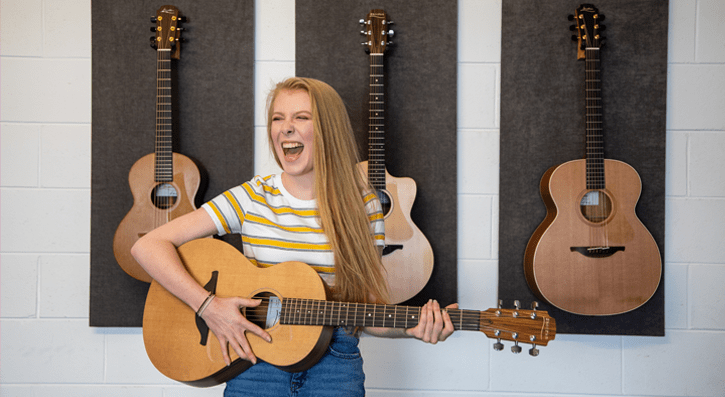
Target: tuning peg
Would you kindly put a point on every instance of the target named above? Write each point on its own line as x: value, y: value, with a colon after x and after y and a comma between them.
x: 391, y: 33
x: 572, y: 27
x: 599, y: 17
x: 601, y: 28
x: 153, y: 29
x: 498, y: 346
x: 153, y: 20
x: 182, y: 19
x: 152, y: 40
x: 516, y: 349
x: 570, y: 17
x: 534, y: 305
x: 574, y: 38
x: 533, y: 352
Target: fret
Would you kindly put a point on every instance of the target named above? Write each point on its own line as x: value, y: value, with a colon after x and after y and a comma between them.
x: 594, y: 130
x: 376, y: 124
x: 163, y: 167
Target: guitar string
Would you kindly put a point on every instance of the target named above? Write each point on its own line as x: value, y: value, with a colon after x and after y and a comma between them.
x: 465, y: 319
x: 161, y: 198
x: 599, y: 236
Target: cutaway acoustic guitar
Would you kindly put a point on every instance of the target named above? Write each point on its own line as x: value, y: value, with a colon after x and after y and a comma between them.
x: 407, y: 256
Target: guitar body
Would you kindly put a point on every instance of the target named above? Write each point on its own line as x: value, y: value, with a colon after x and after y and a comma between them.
x: 603, y: 264
x: 408, y: 260
x: 149, y: 210
x: 171, y: 335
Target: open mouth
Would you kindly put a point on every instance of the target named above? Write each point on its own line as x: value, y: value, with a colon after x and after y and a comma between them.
x: 292, y: 148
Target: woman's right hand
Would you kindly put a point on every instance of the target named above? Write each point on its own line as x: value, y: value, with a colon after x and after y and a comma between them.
x: 224, y: 318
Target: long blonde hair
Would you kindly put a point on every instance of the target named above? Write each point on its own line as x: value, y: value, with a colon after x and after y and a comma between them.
x: 339, y: 187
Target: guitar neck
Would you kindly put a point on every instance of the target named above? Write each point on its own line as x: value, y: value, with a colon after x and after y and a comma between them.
x: 594, y: 131
x: 376, y: 123
x: 319, y: 312
x: 163, y: 166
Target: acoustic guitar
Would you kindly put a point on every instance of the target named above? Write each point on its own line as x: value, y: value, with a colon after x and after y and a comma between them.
x: 295, y: 312
x: 163, y: 183
x: 407, y: 256
x: 591, y: 255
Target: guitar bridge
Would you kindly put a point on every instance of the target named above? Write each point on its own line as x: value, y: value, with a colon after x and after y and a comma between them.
x: 597, y: 252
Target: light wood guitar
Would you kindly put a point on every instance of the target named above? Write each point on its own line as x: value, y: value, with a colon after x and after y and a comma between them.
x: 163, y: 183
x: 295, y: 312
x: 408, y: 256
x: 591, y: 255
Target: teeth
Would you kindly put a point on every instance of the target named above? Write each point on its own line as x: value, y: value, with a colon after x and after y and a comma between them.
x: 292, y: 148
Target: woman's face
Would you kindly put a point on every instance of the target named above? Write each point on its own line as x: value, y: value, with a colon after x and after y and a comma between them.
x: 292, y: 132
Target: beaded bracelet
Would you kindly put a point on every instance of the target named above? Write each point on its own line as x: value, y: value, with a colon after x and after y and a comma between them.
x: 206, y: 303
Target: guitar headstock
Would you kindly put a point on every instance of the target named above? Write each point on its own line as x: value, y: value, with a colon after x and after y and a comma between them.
x: 588, y: 27
x: 519, y: 326
x: 375, y: 28
x: 167, y: 30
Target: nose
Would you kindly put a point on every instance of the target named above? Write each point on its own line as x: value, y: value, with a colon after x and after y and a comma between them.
x: 287, y: 128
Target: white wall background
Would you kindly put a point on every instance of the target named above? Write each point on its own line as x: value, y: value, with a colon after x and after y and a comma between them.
x: 48, y: 349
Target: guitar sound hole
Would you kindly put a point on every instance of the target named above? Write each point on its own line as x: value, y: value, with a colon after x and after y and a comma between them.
x: 164, y: 196
x: 596, y: 206
x: 267, y: 314
x: 385, y: 201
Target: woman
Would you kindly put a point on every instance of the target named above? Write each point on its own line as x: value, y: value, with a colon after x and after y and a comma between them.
x: 320, y: 211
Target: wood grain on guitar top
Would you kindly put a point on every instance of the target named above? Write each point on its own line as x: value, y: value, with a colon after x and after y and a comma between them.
x: 617, y: 266
x: 409, y: 262
x: 146, y: 213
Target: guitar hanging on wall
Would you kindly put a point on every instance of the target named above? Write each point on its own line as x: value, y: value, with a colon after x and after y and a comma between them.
x: 296, y: 314
x: 591, y: 255
x: 407, y: 256
x: 163, y: 183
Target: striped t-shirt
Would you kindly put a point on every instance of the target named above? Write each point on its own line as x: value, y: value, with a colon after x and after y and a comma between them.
x: 277, y: 227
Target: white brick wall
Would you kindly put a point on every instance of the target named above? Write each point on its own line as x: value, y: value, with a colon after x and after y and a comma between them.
x: 47, y: 348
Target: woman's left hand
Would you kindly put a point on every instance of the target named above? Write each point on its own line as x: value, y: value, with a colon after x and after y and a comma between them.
x: 434, y: 324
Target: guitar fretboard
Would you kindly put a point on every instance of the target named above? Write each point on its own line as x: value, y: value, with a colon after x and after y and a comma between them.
x: 342, y: 314
x: 163, y: 164
x: 595, y: 136
x: 376, y: 124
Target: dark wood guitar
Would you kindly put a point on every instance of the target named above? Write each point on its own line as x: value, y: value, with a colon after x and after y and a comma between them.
x: 295, y: 312
x: 163, y: 183
x: 408, y: 256
x: 591, y: 255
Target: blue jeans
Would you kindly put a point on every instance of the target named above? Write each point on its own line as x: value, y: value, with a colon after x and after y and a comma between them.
x: 338, y: 373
